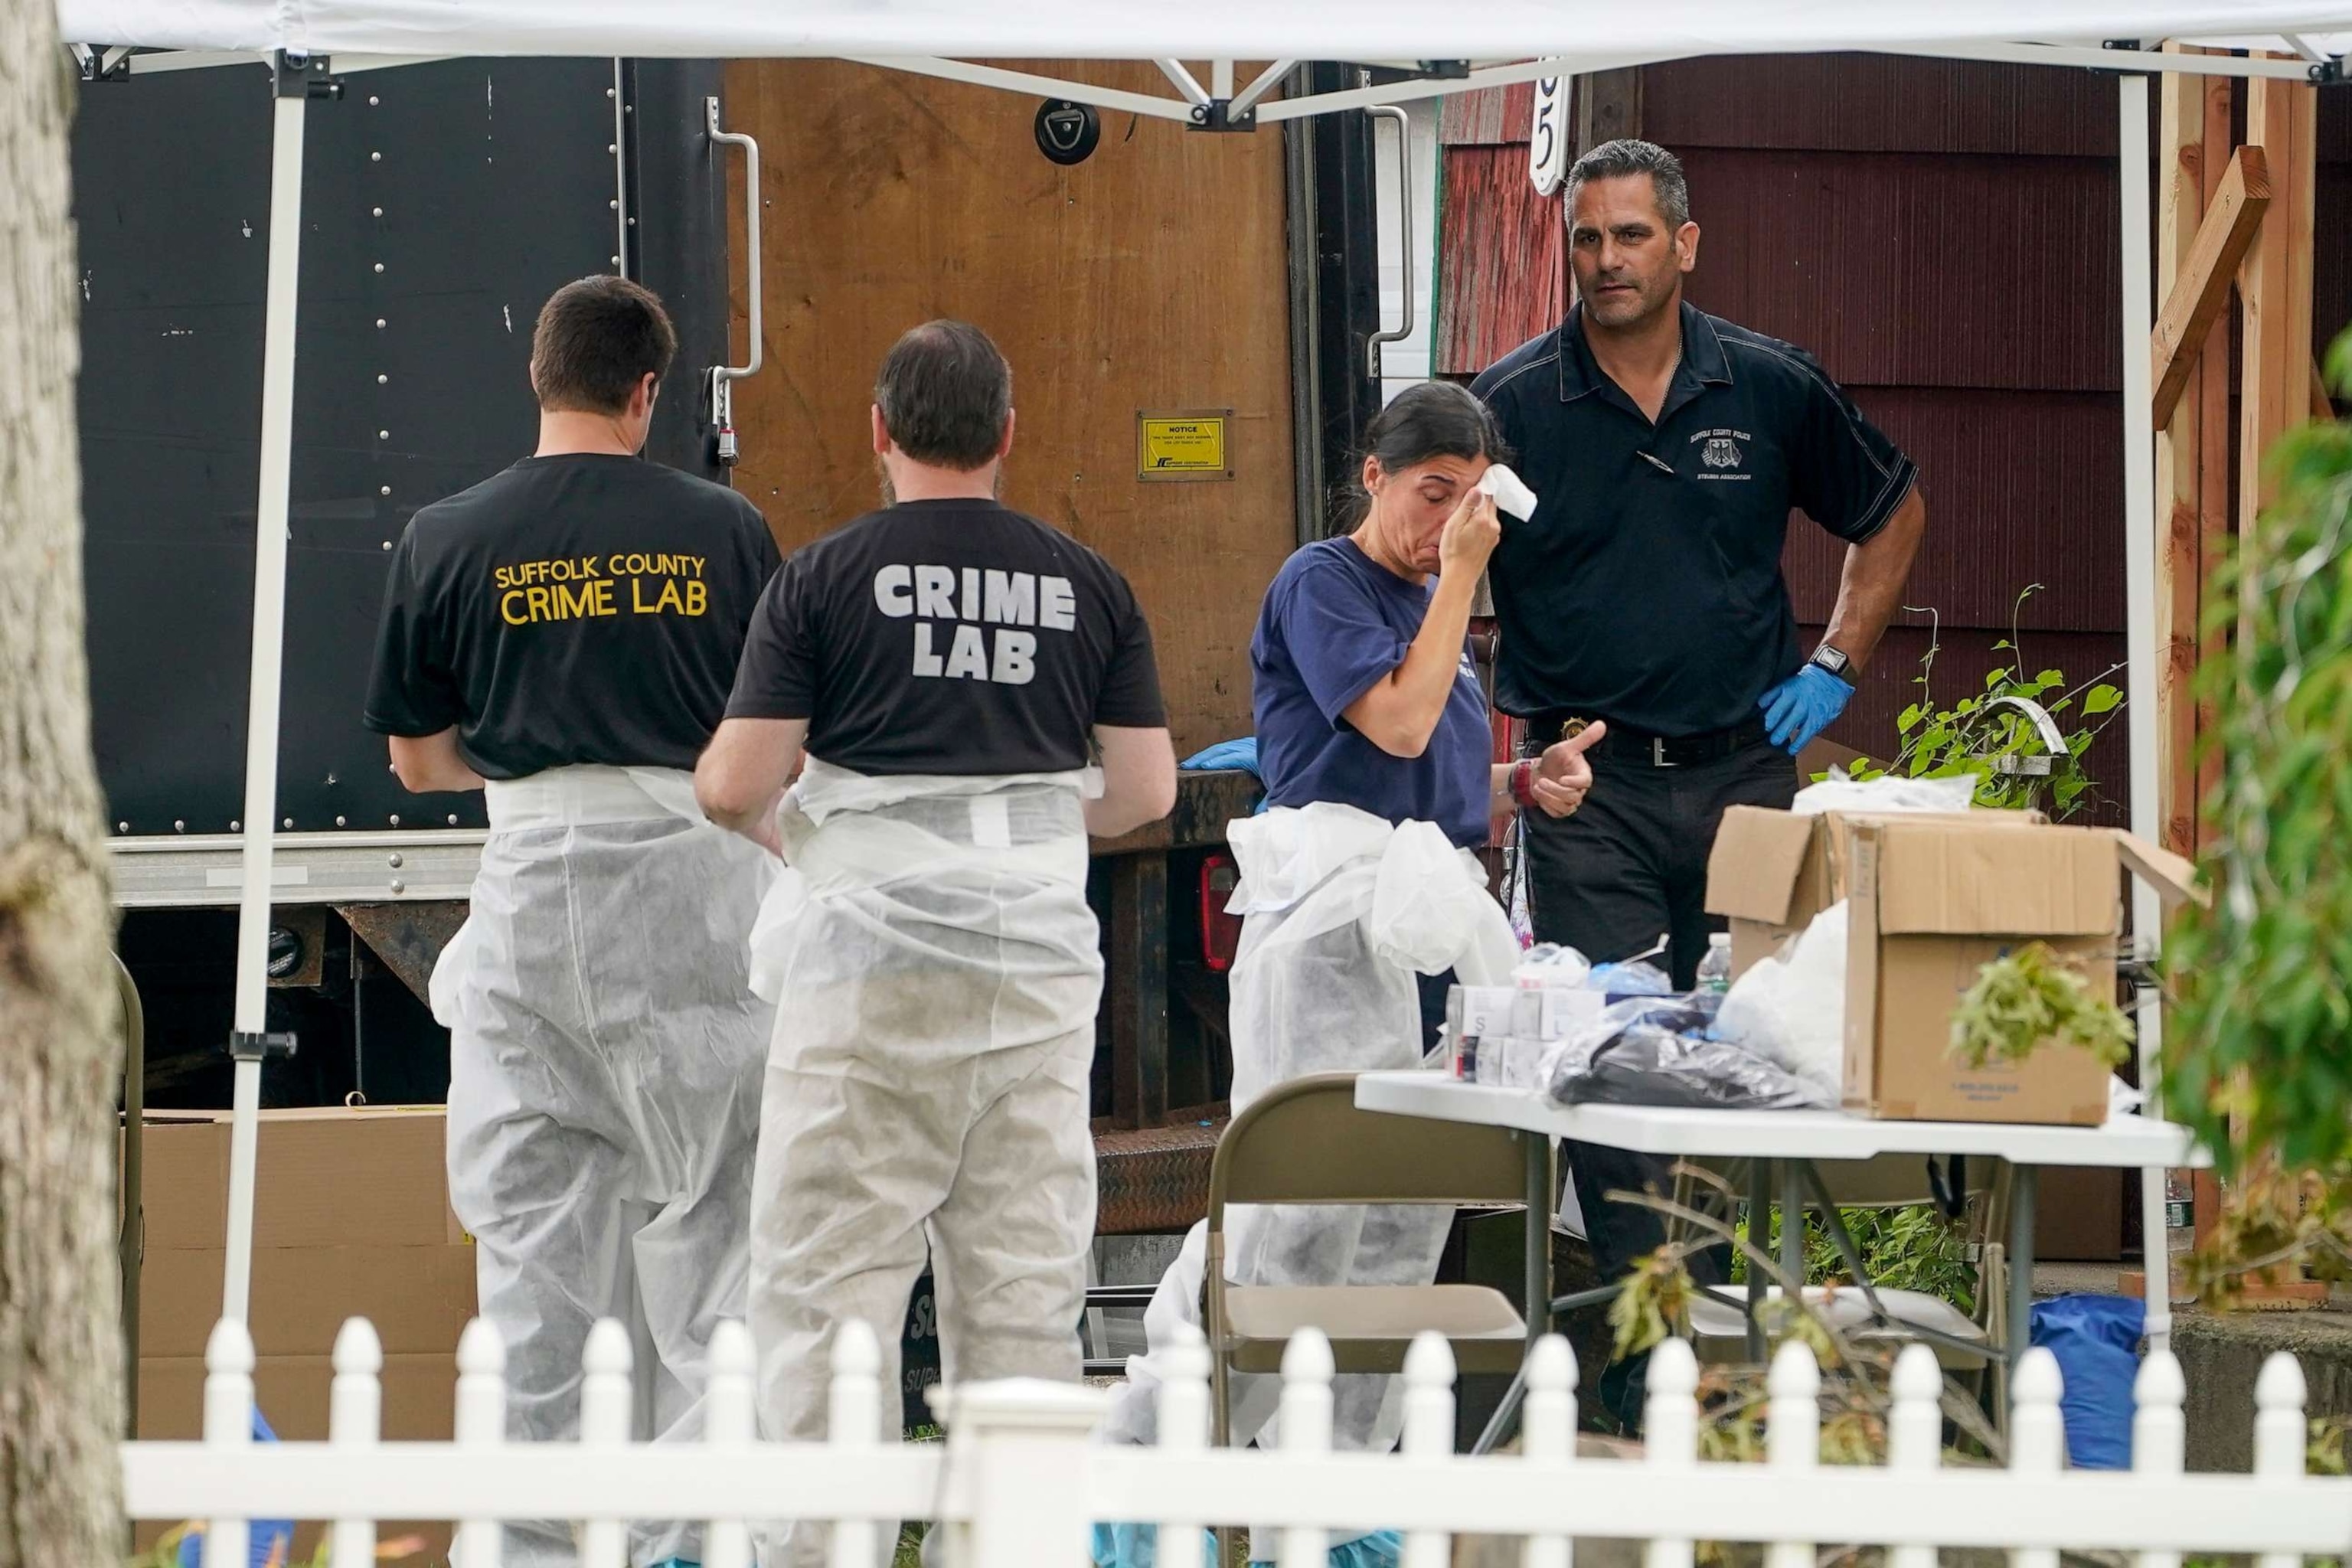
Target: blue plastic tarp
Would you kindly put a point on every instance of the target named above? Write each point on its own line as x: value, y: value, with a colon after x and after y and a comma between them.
x: 2096, y: 1342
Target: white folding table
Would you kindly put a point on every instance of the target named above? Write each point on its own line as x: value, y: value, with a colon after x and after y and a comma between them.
x: 1794, y: 1141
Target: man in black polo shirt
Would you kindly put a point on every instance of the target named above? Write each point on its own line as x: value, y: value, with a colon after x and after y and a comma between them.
x: 1668, y: 449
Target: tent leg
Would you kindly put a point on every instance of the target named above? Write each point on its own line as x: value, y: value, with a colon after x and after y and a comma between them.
x: 2140, y: 547
x: 262, y: 704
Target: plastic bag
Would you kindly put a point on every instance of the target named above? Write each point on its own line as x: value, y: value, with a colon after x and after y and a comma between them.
x: 1431, y: 910
x: 1885, y: 794
x: 1791, y: 1011
x: 1653, y: 1055
x: 2123, y: 1100
x: 2096, y: 1342
x: 1631, y: 978
x: 1549, y: 964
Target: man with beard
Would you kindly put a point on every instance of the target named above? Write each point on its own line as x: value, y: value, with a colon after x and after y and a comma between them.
x: 1669, y: 447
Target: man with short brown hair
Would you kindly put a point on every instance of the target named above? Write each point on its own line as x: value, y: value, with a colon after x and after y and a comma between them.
x: 563, y: 636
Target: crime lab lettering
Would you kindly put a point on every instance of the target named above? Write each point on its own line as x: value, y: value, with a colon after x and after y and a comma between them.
x: 582, y: 587
x: 989, y: 607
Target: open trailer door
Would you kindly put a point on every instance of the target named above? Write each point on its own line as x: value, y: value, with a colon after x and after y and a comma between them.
x: 1141, y: 294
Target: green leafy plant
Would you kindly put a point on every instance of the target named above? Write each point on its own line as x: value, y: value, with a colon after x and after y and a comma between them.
x: 1914, y: 1248
x: 2030, y: 995
x: 2259, y: 1049
x: 2325, y: 1454
x: 1857, y: 1377
x: 1985, y: 733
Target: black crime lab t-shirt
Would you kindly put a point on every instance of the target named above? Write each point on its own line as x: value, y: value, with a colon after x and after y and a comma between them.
x: 950, y: 637
x: 578, y: 609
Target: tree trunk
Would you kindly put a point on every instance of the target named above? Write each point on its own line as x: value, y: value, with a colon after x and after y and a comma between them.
x: 61, y: 1346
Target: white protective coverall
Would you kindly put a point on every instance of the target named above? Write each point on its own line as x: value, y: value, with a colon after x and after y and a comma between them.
x: 1340, y: 909
x: 937, y: 970
x: 606, y: 1052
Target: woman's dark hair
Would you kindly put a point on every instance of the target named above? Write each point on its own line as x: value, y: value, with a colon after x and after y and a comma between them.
x: 1430, y: 419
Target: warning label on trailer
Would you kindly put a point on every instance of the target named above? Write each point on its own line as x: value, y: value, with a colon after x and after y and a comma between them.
x: 1181, y: 446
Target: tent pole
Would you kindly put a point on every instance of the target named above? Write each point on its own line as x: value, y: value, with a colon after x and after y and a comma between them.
x: 262, y: 703
x: 2144, y: 726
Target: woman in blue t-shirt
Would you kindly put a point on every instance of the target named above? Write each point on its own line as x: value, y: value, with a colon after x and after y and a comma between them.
x: 1364, y: 690
x: 1366, y: 698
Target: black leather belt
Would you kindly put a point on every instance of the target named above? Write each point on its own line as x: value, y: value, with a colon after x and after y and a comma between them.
x: 1626, y: 745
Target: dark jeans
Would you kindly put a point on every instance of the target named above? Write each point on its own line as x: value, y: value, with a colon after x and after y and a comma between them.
x: 1630, y: 866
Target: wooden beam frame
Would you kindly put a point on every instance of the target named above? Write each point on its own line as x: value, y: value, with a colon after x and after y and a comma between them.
x: 2202, y: 289
x: 2274, y: 290
x: 2210, y: 460
x: 2180, y: 196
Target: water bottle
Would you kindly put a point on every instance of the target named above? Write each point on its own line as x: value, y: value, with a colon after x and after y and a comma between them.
x: 1714, y: 969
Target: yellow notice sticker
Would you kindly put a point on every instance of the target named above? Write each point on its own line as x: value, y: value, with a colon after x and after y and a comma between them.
x: 1181, y: 446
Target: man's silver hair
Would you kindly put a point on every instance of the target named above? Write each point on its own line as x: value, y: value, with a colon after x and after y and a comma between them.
x: 1629, y: 155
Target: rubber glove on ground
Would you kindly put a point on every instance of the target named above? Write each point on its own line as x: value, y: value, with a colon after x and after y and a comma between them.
x: 1803, y: 706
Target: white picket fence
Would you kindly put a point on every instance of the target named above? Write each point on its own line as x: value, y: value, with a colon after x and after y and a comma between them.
x: 1019, y: 1478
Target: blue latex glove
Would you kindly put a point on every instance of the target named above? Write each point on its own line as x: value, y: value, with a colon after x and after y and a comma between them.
x: 1241, y: 753
x: 1803, y: 706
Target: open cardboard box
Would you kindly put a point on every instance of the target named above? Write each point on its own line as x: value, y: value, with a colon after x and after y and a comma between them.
x: 1932, y: 898
x: 351, y: 1219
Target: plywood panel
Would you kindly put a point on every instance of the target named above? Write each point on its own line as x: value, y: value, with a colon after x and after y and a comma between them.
x: 1149, y: 276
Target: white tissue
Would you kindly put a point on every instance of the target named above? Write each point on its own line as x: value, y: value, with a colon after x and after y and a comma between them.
x: 1510, y: 491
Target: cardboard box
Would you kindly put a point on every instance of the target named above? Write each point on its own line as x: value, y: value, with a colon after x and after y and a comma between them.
x: 324, y: 1177
x: 1770, y: 872
x: 419, y: 1298
x: 419, y: 1396
x: 351, y: 1219
x: 1933, y: 898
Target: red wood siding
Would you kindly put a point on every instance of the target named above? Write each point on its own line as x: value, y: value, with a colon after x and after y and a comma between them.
x: 1501, y: 270
x: 1876, y: 103
x: 1489, y: 118
x: 1915, y: 271
x: 1942, y: 235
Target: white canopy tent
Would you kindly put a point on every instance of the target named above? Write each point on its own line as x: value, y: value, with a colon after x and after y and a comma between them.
x: 1418, y: 50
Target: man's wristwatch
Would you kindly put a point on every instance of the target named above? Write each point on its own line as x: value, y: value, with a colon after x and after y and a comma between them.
x: 1835, y: 661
